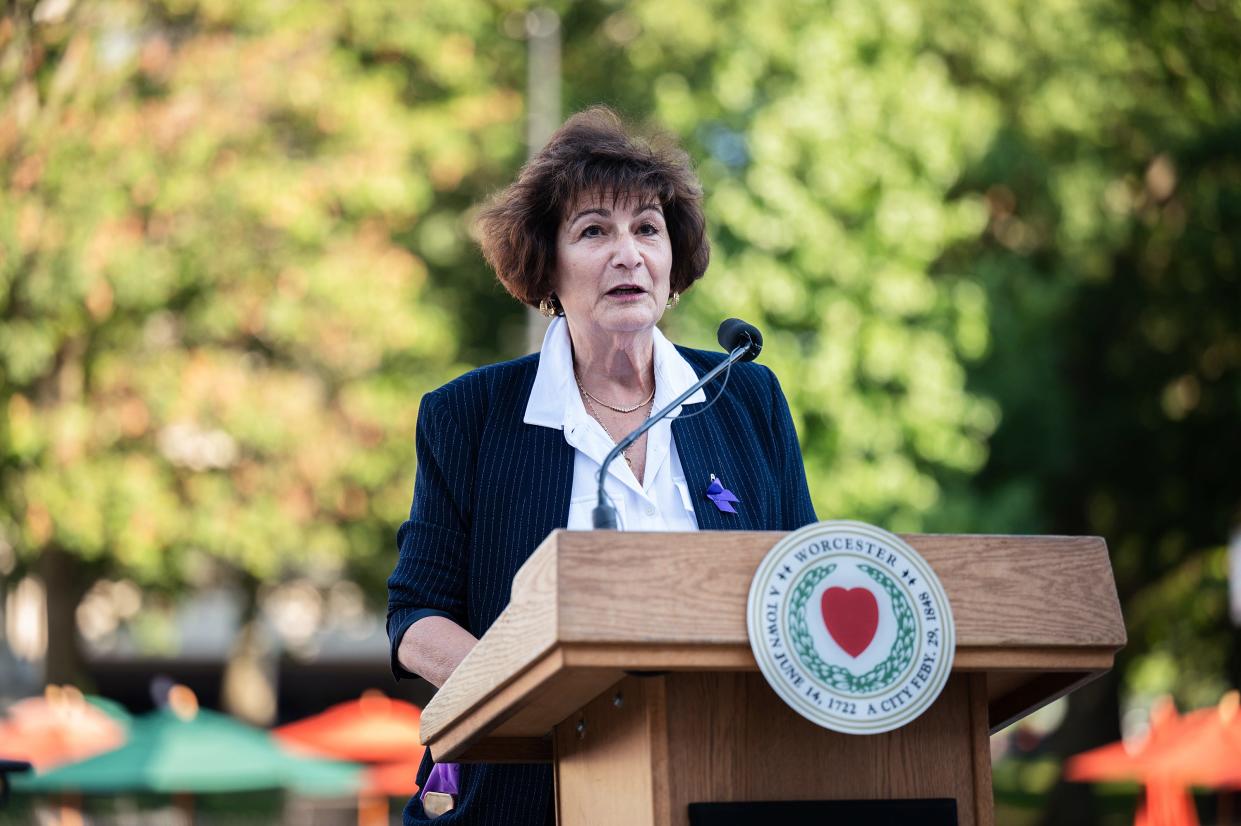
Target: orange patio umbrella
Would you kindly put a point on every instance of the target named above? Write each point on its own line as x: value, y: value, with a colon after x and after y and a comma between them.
x: 392, y: 779
x: 1166, y: 800
x: 1125, y: 760
x: 1205, y: 751
x: 62, y: 726
x: 1205, y: 748
x: 373, y: 729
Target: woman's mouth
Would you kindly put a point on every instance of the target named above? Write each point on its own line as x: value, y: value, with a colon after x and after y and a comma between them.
x: 626, y: 291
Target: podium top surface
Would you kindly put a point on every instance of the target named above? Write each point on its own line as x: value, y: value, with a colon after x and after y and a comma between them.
x: 1038, y: 614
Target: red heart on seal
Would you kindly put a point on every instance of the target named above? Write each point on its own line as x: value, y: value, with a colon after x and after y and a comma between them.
x: 852, y: 617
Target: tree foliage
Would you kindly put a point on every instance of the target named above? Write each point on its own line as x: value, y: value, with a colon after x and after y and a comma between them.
x: 994, y: 248
x: 997, y: 248
x: 829, y: 143
x: 215, y: 246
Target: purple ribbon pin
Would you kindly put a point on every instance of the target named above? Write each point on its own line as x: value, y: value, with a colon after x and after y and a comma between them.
x: 721, y: 496
x: 444, y: 777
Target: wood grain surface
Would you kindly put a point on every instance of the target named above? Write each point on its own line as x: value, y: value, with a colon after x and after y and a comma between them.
x: 1005, y: 591
x: 524, y: 634
x: 647, y: 748
x: 732, y: 738
x: 980, y: 736
x: 588, y: 606
x: 612, y: 758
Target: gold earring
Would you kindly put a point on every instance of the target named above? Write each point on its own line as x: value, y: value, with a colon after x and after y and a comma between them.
x: 547, y: 307
x: 673, y: 300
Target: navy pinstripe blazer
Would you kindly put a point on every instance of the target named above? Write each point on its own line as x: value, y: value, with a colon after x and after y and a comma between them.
x: 490, y: 488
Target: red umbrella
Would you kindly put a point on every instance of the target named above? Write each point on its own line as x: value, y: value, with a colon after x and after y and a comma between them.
x: 60, y: 727
x: 1205, y: 748
x: 372, y: 729
x: 392, y: 779
x: 1125, y: 760
x: 1166, y: 801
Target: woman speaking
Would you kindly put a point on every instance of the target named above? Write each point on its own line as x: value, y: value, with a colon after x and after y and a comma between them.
x: 602, y: 231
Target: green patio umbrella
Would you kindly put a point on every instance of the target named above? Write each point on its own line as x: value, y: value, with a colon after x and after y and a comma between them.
x: 196, y: 753
x: 111, y: 708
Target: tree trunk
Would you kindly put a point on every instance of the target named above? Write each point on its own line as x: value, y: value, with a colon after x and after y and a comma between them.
x: 65, y: 583
x: 248, y: 686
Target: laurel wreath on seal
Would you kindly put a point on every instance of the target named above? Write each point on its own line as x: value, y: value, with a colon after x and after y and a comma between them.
x: 836, y: 676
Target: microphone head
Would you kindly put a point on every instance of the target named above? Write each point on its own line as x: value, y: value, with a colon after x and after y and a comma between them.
x: 736, y: 333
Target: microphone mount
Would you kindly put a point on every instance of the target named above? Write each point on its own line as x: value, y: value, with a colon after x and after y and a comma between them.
x: 745, y: 348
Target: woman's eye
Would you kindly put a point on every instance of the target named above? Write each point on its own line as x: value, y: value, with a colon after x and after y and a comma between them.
x: 592, y: 231
x: 649, y: 229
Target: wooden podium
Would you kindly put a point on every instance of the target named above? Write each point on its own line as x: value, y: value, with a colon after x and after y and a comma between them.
x: 623, y: 659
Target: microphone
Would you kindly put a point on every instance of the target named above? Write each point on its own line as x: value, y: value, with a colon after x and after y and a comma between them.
x: 743, y: 342
x: 734, y: 332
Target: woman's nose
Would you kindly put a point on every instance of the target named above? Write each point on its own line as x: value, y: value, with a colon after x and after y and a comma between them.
x: 626, y: 252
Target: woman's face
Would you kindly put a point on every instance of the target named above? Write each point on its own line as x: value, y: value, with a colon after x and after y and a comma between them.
x: 613, y: 262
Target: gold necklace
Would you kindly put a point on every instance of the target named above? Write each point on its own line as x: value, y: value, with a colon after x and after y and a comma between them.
x: 590, y: 408
x: 586, y: 393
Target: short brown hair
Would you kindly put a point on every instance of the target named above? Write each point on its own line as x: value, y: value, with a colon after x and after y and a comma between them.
x: 592, y: 152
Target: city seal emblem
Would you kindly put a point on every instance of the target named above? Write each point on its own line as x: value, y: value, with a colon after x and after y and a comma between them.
x: 851, y: 627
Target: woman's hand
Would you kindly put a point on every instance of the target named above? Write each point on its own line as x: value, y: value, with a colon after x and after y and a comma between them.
x: 433, y: 647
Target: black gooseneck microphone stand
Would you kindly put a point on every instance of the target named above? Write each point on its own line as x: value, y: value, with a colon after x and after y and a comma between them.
x: 744, y: 342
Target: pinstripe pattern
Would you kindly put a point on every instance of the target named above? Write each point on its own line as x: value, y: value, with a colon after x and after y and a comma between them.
x: 489, y: 488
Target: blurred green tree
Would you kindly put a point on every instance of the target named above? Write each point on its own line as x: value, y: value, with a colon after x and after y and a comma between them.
x: 1112, y: 264
x: 829, y: 143
x: 994, y: 248
x: 215, y: 333
x: 997, y: 249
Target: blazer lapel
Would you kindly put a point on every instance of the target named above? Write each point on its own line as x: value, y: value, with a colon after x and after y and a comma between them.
x: 553, y: 456
x: 544, y: 461
x: 706, y: 449
x: 692, y: 446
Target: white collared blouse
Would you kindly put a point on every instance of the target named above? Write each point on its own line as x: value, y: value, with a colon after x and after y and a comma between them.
x: 661, y: 502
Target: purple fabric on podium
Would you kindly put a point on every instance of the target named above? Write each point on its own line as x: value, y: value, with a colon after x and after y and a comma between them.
x: 444, y: 778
